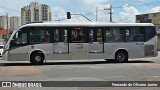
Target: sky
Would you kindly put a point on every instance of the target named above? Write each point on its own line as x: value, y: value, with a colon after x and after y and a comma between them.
x: 123, y: 10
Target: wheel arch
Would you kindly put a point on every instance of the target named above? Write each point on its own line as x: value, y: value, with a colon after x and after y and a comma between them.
x: 34, y: 51
x: 121, y: 49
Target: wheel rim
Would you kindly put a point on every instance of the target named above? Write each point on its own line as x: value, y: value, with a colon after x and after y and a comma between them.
x: 38, y: 58
x: 120, y: 57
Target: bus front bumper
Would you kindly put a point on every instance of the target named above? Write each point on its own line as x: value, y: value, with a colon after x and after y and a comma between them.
x: 5, y: 56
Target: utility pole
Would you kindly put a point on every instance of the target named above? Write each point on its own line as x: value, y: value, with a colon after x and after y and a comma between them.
x: 7, y: 23
x: 110, y: 12
x: 96, y: 13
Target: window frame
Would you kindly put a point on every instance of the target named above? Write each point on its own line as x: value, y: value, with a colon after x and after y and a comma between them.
x: 23, y: 30
x: 140, y: 28
x: 70, y: 34
x: 45, y: 29
x: 61, y: 30
x: 95, y: 36
x: 121, y: 28
x: 153, y: 31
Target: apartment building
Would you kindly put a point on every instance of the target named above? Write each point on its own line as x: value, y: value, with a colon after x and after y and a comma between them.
x: 35, y: 12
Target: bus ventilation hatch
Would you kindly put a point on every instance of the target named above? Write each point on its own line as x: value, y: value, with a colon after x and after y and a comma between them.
x: 149, y: 50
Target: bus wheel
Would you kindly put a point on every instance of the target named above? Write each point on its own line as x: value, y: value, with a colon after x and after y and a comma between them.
x: 121, y: 56
x: 37, y: 58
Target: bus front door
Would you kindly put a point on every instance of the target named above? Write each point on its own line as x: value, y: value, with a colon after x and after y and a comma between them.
x: 60, y: 51
x: 96, y: 50
x: 78, y: 50
x: 96, y: 44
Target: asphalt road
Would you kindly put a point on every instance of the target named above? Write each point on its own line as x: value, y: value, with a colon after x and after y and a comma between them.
x: 146, y: 69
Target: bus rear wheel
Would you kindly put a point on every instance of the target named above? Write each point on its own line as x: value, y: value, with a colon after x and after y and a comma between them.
x: 121, y: 56
x: 37, y: 58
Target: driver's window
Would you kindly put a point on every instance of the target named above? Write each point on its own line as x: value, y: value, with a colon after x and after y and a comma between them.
x: 20, y: 39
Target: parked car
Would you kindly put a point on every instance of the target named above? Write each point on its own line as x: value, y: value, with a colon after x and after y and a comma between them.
x: 1, y: 50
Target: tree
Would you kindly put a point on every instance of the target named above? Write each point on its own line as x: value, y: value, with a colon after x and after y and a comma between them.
x: 1, y: 28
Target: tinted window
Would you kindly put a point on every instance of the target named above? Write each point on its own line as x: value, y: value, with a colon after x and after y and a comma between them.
x: 20, y: 38
x: 95, y: 35
x: 150, y: 33
x: 114, y: 34
x: 78, y: 34
x: 135, y: 34
x: 39, y: 35
x: 60, y: 35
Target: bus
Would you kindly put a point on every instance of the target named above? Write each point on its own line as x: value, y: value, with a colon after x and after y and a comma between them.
x: 39, y: 42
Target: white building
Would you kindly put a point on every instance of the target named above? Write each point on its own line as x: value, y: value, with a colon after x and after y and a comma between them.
x: 35, y: 12
x: 4, y: 22
x: 15, y: 22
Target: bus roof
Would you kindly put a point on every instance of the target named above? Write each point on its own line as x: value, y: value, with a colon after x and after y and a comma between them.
x: 92, y: 24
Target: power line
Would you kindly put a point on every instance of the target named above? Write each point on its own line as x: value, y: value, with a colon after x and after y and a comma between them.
x: 84, y: 5
x: 9, y: 9
x: 91, y: 8
x: 138, y: 5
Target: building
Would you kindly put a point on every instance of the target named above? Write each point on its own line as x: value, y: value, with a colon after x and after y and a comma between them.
x: 35, y: 12
x: 4, y: 32
x: 4, y: 22
x: 151, y: 18
x: 15, y: 22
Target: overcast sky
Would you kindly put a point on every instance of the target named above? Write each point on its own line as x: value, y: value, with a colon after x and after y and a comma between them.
x: 124, y: 10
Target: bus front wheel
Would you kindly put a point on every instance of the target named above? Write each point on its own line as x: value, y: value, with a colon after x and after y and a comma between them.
x: 121, y: 56
x: 37, y: 58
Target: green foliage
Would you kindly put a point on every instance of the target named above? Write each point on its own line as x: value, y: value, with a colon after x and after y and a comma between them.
x: 1, y: 28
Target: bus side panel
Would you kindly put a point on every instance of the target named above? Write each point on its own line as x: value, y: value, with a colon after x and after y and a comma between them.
x: 134, y: 50
x: 19, y: 53
x: 150, y: 49
x: 46, y: 48
x: 50, y: 51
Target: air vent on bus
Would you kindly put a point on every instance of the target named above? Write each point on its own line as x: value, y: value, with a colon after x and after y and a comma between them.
x: 149, y: 50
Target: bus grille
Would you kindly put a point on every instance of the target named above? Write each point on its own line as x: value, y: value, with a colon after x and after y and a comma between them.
x: 149, y: 50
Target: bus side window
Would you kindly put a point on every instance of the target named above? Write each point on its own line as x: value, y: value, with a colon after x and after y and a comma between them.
x: 99, y: 35
x: 60, y: 35
x: 78, y: 34
x: 91, y: 35
x: 39, y: 35
x: 55, y: 35
x: 19, y: 39
x: 115, y: 34
x: 150, y: 32
x: 95, y: 35
x: 135, y: 34
x: 110, y: 36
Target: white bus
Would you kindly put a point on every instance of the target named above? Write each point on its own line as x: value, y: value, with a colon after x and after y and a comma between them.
x: 39, y: 42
